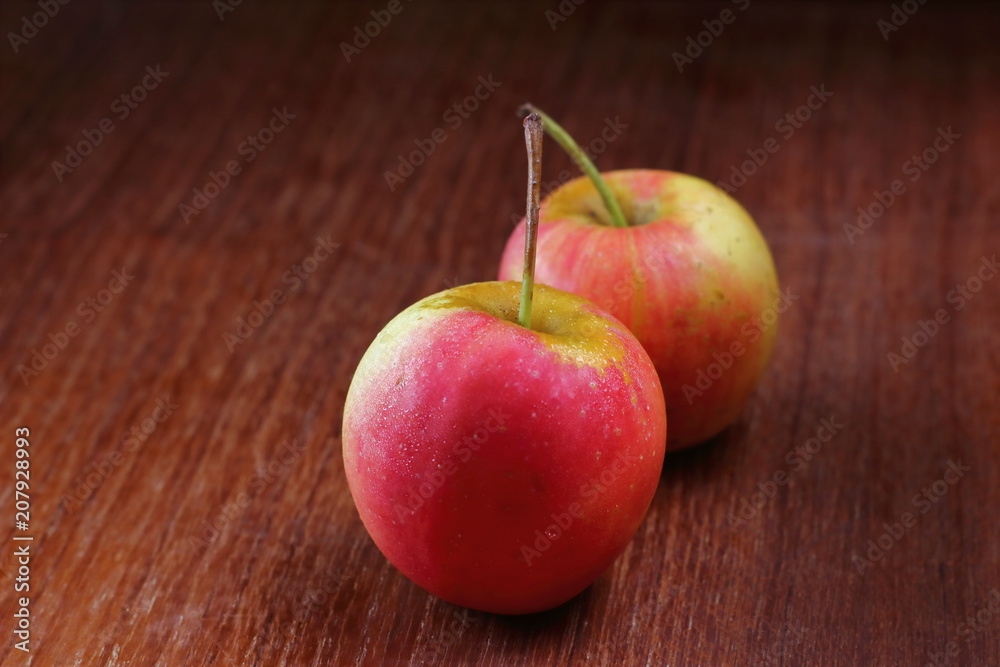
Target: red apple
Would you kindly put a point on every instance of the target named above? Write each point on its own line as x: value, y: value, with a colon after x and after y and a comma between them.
x: 689, y: 274
x: 502, y: 440
x: 503, y: 468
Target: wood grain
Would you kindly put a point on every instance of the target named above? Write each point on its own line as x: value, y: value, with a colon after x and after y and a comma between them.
x: 224, y: 532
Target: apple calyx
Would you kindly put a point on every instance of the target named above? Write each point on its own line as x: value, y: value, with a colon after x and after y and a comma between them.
x: 533, y: 141
x: 564, y: 139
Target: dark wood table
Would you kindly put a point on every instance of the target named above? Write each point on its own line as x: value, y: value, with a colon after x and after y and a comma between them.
x: 199, y: 241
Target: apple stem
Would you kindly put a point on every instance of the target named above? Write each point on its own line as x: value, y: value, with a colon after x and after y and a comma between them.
x: 586, y: 165
x: 533, y: 140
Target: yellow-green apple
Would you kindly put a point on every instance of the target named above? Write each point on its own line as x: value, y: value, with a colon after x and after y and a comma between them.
x: 503, y: 441
x: 681, y: 264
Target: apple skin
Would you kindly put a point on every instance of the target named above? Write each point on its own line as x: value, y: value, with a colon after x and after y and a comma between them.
x: 690, y: 277
x: 470, y: 442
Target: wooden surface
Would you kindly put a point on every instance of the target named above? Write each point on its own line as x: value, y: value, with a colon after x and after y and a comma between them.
x: 225, y: 534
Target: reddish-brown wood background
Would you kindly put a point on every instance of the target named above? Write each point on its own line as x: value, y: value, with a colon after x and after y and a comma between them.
x: 226, y: 534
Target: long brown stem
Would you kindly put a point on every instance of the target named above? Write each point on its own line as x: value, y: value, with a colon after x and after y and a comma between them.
x: 586, y: 165
x: 533, y: 140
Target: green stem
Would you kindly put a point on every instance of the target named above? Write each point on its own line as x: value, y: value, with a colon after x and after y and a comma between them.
x: 533, y: 140
x: 569, y: 145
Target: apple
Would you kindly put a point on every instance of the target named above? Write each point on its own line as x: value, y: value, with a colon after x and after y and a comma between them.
x: 498, y: 467
x: 503, y: 441
x: 681, y: 264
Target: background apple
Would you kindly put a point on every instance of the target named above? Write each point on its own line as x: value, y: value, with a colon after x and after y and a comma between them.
x: 689, y: 274
x: 499, y: 467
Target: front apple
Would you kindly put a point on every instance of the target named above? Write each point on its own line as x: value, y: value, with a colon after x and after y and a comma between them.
x: 499, y: 467
x: 691, y: 277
